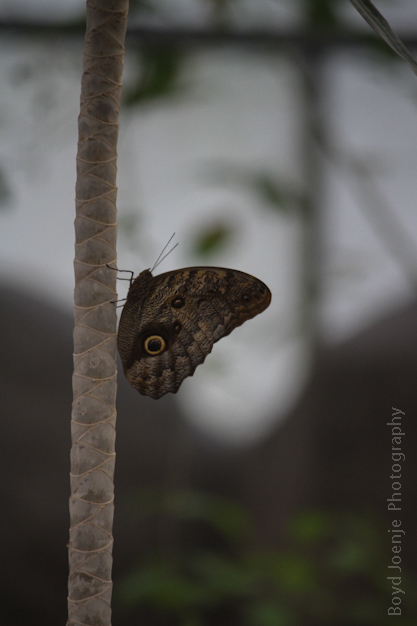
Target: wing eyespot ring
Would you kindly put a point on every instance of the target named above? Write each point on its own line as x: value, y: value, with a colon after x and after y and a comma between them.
x: 154, y: 345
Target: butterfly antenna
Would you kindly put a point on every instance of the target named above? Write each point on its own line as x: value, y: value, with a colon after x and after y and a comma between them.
x: 159, y: 259
x: 164, y: 257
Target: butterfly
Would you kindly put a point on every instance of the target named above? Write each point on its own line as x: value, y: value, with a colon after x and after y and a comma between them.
x: 170, y: 322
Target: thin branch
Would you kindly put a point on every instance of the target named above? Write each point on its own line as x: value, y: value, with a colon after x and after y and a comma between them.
x: 206, y: 37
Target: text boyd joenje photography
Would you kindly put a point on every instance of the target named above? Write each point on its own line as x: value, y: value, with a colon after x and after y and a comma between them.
x: 394, y: 507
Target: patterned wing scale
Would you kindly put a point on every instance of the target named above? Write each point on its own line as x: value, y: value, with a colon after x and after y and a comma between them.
x: 170, y: 322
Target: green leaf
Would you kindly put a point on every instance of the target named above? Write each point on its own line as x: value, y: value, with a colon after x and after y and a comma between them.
x: 211, y: 240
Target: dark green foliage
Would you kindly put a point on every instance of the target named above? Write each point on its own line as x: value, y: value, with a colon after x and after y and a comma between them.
x: 321, y: 14
x: 226, y: 517
x: 158, y: 70
x: 332, y: 570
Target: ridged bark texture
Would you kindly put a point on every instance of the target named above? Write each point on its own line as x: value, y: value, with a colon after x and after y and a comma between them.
x: 94, y: 383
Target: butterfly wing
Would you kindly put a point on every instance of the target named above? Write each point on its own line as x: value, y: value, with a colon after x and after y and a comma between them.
x: 186, y: 311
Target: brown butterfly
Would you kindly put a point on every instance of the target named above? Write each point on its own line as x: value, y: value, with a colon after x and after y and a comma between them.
x: 170, y: 322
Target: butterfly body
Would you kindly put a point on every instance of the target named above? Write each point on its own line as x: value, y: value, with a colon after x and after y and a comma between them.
x: 170, y: 322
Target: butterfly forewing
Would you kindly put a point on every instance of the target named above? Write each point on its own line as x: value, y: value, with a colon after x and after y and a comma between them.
x: 170, y: 322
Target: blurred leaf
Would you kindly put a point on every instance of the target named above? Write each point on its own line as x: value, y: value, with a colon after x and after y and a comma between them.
x: 5, y: 193
x: 270, y: 614
x: 161, y: 586
x: 226, y: 578
x: 350, y: 557
x: 212, y: 239
x: 297, y: 573
x: 227, y: 517
x: 360, y: 527
x: 292, y: 572
x: 270, y: 189
x: 159, y: 69
x: 332, y: 571
x: 271, y: 192
x: 321, y: 14
x: 311, y: 526
x: 276, y: 194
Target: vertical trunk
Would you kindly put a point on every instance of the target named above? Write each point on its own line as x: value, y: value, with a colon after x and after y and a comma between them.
x: 94, y: 382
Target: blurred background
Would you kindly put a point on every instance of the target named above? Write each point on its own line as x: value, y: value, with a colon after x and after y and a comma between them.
x: 279, y: 138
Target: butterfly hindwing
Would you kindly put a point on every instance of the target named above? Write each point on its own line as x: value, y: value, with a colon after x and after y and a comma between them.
x: 170, y: 322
